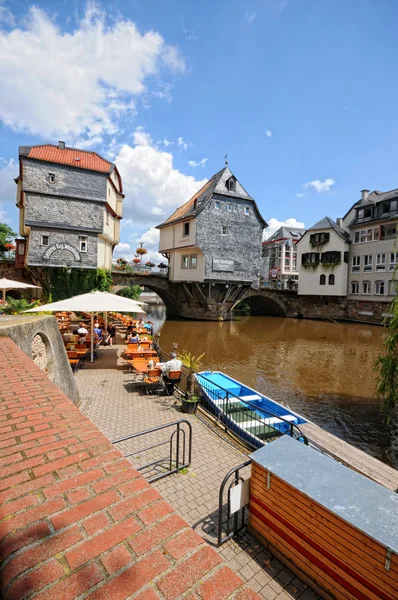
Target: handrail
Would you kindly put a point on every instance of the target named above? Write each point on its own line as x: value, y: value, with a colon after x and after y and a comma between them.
x: 236, y: 528
x: 294, y: 429
x: 179, y: 431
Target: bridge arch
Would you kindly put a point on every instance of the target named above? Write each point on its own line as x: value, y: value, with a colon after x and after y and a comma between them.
x: 261, y: 304
x: 173, y: 307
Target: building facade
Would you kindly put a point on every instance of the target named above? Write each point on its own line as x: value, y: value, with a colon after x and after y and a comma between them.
x: 70, y: 204
x: 280, y: 268
x: 323, y: 256
x: 372, y: 222
x: 215, y: 236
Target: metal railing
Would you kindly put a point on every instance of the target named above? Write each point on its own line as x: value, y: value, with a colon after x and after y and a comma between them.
x: 183, y: 449
x: 242, y: 411
x: 234, y: 413
x: 232, y: 518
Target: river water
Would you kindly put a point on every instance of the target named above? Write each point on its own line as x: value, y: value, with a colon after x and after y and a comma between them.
x: 322, y: 370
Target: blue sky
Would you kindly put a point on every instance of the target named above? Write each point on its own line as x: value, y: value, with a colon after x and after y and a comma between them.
x: 302, y: 95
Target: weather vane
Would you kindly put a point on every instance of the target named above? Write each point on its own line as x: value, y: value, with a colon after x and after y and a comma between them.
x: 226, y: 159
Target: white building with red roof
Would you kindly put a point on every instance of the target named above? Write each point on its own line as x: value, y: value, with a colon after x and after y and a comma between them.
x: 70, y: 204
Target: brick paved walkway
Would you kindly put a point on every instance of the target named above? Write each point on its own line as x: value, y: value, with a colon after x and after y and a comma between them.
x: 118, y: 409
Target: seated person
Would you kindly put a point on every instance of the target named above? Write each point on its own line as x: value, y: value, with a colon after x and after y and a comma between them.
x: 82, y: 338
x: 133, y: 338
x: 140, y: 324
x: 130, y: 327
x: 148, y: 326
x: 174, y: 364
x: 81, y: 329
x: 98, y: 332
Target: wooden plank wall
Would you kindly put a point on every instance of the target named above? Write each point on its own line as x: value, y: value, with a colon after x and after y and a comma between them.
x: 339, y: 558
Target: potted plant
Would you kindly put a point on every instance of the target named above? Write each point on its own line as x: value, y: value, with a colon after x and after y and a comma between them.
x: 188, y: 405
x: 192, y: 363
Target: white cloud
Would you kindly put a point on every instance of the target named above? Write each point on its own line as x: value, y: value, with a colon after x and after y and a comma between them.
x: 122, y: 248
x: 141, y: 138
x: 6, y: 16
x: 183, y: 144
x: 78, y: 84
x: 300, y: 195
x: 268, y: 133
x: 198, y: 163
x: 320, y: 186
x: 157, y: 211
x: 274, y: 224
x: 167, y: 143
x: 8, y: 189
x: 151, y: 184
x: 250, y: 17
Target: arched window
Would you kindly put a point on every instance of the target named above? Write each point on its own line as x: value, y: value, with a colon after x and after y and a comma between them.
x: 331, y: 279
x: 322, y: 280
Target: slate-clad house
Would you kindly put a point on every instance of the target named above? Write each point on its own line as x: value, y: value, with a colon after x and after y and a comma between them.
x: 70, y: 204
x: 216, y: 236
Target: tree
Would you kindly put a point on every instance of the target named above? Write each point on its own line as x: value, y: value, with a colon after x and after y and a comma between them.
x: 387, y: 365
x: 192, y: 363
x: 7, y: 235
x: 133, y: 292
x: 16, y: 306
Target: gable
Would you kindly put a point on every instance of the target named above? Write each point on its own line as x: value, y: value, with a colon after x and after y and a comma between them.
x: 222, y: 186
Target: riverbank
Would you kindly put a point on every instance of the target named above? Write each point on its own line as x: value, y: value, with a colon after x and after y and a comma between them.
x: 322, y: 370
x: 112, y: 403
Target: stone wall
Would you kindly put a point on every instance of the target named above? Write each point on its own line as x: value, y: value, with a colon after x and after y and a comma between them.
x: 78, y: 183
x: 62, y: 257
x: 242, y: 244
x: 39, y: 338
x: 367, y: 311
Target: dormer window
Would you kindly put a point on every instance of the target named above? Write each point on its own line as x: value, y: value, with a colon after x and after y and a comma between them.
x: 231, y: 184
x: 51, y: 178
x: 247, y: 210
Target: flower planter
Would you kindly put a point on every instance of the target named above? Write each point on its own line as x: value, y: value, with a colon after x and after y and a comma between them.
x: 188, y: 407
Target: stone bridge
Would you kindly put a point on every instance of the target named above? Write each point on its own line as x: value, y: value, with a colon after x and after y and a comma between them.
x: 215, y: 301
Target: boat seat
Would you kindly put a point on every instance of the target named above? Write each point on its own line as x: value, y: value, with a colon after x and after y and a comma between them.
x: 250, y: 398
x: 269, y: 421
x: 275, y: 420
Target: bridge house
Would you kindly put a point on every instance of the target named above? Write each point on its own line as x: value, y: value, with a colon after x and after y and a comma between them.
x: 216, y: 236
x: 70, y: 204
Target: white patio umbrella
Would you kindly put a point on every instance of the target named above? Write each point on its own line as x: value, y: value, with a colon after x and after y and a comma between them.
x: 93, y: 303
x: 9, y: 284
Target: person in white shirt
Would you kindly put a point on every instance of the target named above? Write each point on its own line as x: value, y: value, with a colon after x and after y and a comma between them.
x: 174, y: 364
x: 82, y: 330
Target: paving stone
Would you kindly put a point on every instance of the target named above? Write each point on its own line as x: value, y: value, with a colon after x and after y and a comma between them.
x: 119, y: 408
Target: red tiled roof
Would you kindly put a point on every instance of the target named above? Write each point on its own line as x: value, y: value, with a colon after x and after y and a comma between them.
x: 68, y: 156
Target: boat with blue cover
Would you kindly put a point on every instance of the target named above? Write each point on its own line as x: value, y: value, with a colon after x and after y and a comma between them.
x: 252, y: 416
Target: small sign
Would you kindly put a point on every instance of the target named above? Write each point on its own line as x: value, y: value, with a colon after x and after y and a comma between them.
x: 239, y: 496
x: 48, y: 253
x: 223, y: 265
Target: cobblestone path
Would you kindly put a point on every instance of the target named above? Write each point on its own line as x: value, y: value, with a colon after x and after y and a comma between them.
x: 118, y: 409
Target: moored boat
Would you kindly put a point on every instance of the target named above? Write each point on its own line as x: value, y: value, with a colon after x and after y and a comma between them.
x: 252, y: 416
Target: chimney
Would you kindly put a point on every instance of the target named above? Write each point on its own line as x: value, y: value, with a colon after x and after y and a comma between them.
x: 61, y: 145
x: 364, y: 194
x: 339, y: 222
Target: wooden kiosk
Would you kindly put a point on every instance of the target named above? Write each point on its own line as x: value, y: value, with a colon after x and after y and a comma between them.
x: 333, y: 527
